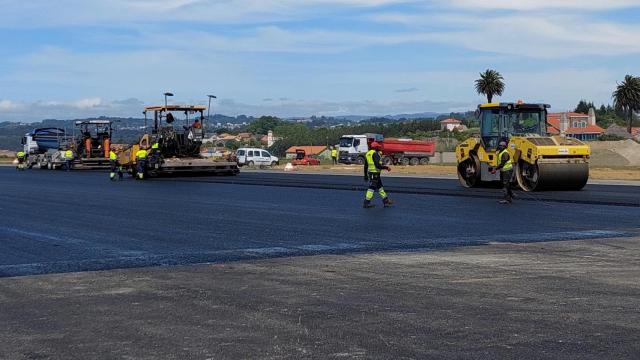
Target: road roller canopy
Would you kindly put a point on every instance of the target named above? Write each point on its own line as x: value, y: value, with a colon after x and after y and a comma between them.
x: 164, y: 108
x: 505, y: 120
x: 168, y: 115
x: 98, y: 127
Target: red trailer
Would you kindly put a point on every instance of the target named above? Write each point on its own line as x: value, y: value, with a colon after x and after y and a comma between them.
x: 406, y: 151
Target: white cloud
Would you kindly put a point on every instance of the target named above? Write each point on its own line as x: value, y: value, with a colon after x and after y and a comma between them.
x: 545, y: 36
x: 8, y: 105
x: 544, y: 4
x: 37, y: 13
x: 87, y: 103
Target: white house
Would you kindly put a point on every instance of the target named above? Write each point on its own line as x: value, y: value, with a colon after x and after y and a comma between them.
x: 452, y: 124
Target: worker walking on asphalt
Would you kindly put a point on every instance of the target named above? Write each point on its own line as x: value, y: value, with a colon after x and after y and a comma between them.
x: 505, y: 166
x: 115, y: 166
x: 20, y: 155
x: 68, y: 159
x: 141, y: 160
x: 372, y: 169
x: 334, y: 155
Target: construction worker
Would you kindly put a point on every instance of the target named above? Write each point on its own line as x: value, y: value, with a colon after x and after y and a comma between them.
x: 141, y: 159
x: 334, y: 155
x: 505, y: 166
x: 68, y: 159
x: 20, y: 155
x: 115, y: 166
x: 153, y: 157
x: 372, y: 169
x: 196, y: 124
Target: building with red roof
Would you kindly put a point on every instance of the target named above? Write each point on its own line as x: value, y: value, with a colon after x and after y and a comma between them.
x: 574, y: 125
x: 452, y: 124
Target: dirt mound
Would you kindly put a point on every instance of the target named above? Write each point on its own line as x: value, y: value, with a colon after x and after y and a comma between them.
x: 615, y: 153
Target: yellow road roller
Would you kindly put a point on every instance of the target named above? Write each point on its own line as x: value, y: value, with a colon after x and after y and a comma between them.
x: 542, y: 162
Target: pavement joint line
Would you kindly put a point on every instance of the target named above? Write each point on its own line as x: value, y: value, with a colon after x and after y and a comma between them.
x: 218, y: 256
x: 400, y: 190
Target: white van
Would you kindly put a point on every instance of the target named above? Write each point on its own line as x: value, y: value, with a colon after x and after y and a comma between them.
x: 255, y: 157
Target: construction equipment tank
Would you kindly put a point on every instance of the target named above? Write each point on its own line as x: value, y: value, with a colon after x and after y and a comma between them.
x: 411, y: 146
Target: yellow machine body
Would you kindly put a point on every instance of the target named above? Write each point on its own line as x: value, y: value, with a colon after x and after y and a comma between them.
x: 540, y: 161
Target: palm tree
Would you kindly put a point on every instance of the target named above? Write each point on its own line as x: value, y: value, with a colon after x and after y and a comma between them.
x: 490, y: 84
x: 626, y: 98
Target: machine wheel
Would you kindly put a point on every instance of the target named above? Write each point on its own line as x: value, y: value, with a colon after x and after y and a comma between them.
x: 273, y: 164
x: 360, y: 160
x: 405, y: 161
x: 424, y: 161
x: 414, y: 161
x: 250, y: 164
x: 386, y: 160
x: 552, y: 176
x: 528, y: 176
x: 469, y: 172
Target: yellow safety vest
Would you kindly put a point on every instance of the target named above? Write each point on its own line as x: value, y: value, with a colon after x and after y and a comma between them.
x: 371, y: 166
x: 508, y: 165
x: 141, y: 154
x: 155, y: 145
x: 20, y: 154
x: 68, y: 154
x: 113, y: 156
x: 334, y: 153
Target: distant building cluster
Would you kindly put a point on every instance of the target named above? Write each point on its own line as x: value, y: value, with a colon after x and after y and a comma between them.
x: 575, y: 125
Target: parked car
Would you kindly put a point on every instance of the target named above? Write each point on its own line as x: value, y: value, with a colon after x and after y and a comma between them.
x: 255, y: 157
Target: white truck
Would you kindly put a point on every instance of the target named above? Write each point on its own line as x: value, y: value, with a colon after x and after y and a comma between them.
x: 352, y: 148
x: 42, y: 147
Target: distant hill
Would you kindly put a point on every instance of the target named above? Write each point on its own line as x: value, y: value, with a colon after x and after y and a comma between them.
x: 358, y: 118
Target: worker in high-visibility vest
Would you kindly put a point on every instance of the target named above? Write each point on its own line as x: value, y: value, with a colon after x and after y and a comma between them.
x: 505, y: 166
x: 141, y: 160
x: 372, y: 168
x: 334, y: 155
x: 68, y: 159
x: 115, y: 166
x: 21, y: 156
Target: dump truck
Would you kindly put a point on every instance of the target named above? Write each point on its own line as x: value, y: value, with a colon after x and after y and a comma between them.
x: 178, y: 145
x: 541, y: 161
x: 352, y: 150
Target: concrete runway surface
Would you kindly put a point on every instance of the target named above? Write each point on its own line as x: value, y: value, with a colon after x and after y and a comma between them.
x: 77, y: 221
x: 554, y: 300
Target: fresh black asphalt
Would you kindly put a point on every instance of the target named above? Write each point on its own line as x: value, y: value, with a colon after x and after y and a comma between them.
x: 76, y: 221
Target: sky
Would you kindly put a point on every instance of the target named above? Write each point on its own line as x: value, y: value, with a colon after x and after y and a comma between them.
x: 68, y: 59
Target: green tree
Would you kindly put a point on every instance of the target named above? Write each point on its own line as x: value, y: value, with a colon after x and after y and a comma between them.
x: 232, y: 145
x: 584, y: 106
x: 490, y: 84
x: 263, y: 125
x: 280, y: 147
x: 626, y: 98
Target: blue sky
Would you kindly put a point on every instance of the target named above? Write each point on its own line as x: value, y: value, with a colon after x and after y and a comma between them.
x: 74, y: 58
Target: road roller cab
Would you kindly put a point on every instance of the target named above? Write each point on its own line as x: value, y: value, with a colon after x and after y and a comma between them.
x: 541, y: 161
